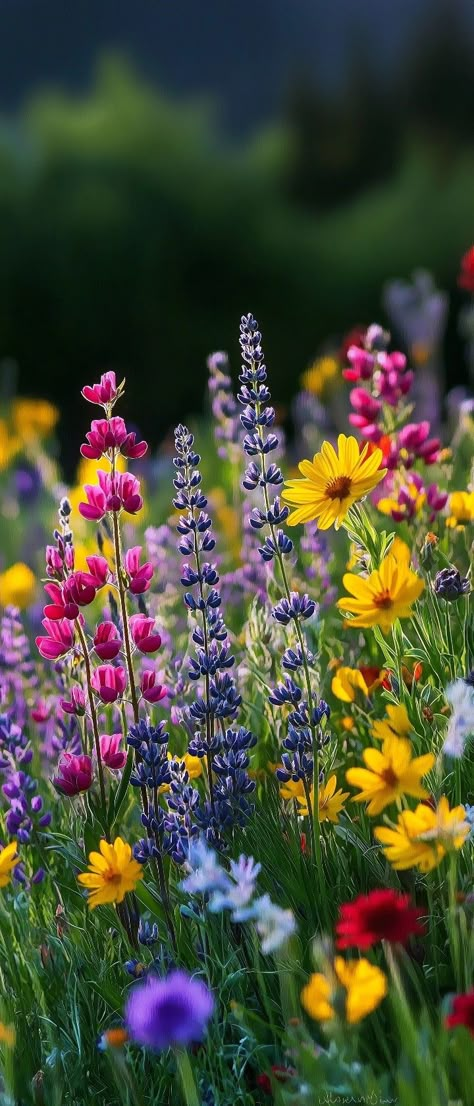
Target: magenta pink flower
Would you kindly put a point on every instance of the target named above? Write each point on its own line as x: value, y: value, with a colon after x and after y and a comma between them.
x: 41, y: 712
x: 414, y: 438
x: 111, y: 754
x: 76, y: 704
x: 362, y: 364
x: 77, y: 591
x: 436, y: 500
x: 142, y: 633
x: 58, y: 641
x: 140, y: 576
x: 108, y: 434
x: 73, y: 774
x: 99, y: 572
x: 115, y: 492
x: 109, y: 682
x: 151, y: 691
x: 54, y: 562
x: 107, y: 641
x: 104, y: 393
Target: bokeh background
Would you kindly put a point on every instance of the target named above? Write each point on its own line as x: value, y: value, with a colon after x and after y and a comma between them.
x: 165, y: 166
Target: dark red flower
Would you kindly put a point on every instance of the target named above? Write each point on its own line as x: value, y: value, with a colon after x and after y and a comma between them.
x: 383, y: 915
x: 462, y: 1012
x: 466, y: 276
x: 279, y: 1073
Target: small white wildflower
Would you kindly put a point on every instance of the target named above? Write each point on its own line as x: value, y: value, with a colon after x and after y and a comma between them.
x: 205, y: 871
x: 274, y: 925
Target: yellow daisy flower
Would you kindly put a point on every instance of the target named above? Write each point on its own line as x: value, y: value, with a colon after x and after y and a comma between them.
x: 387, y: 594
x: 8, y: 861
x: 112, y: 872
x: 293, y: 790
x: 396, y: 724
x: 461, y: 508
x: 319, y: 374
x: 364, y: 984
x: 33, y: 419
x: 422, y: 837
x: 390, y: 773
x: 17, y: 586
x: 333, y: 482
x: 346, y: 683
x: 331, y: 802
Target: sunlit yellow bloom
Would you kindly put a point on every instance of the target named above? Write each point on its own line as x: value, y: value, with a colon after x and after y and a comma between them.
x: 333, y: 482
x: 112, y: 872
x: 8, y: 861
x: 192, y: 764
x: 364, y: 984
x: 7, y: 1035
x: 422, y: 837
x: 397, y: 723
x: 346, y: 683
x: 319, y: 374
x: 387, y: 505
x: 390, y: 773
x: 293, y: 790
x: 347, y: 724
x: 33, y: 419
x: 331, y: 802
x: 387, y: 594
x: 9, y: 445
x: 461, y: 508
x: 17, y: 586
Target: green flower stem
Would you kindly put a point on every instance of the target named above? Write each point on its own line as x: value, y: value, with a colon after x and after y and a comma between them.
x: 186, y: 1074
x: 93, y: 712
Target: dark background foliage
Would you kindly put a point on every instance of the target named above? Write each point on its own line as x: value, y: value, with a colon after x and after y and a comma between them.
x: 281, y: 158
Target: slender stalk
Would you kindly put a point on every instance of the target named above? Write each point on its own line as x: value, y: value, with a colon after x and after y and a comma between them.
x: 186, y: 1075
x: 93, y: 712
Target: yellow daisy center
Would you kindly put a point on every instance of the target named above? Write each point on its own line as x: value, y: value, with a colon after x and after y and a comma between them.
x: 339, y: 488
x: 389, y: 776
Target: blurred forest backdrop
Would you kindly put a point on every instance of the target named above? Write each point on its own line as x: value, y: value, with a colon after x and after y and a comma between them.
x: 227, y: 161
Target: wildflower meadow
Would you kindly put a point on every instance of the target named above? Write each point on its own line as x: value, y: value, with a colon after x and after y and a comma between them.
x: 236, y: 718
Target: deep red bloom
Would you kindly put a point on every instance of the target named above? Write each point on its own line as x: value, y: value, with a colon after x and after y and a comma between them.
x: 74, y: 774
x: 142, y: 633
x: 382, y: 915
x: 107, y: 641
x: 280, y: 1073
x: 462, y: 1012
x: 103, y: 393
x: 466, y: 276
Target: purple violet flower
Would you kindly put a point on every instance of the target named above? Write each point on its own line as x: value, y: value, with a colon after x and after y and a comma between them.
x: 165, y: 1012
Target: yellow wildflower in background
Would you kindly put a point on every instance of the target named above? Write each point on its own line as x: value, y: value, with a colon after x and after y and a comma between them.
x: 390, y: 773
x: 461, y: 508
x: 8, y: 861
x: 387, y: 594
x: 319, y: 374
x: 7, y: 1035
x: 331, y: 802
x: 112, y: 872
x: 33, y: 419
x: 364, y: 984
x: 422, y: 837
x: 17, y: 586
x: 292, y: 789
x: 192, y: 764
x: 346, y: 683
x: 396, y: 724
x: 9, y: 445
x: 333, y: 482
